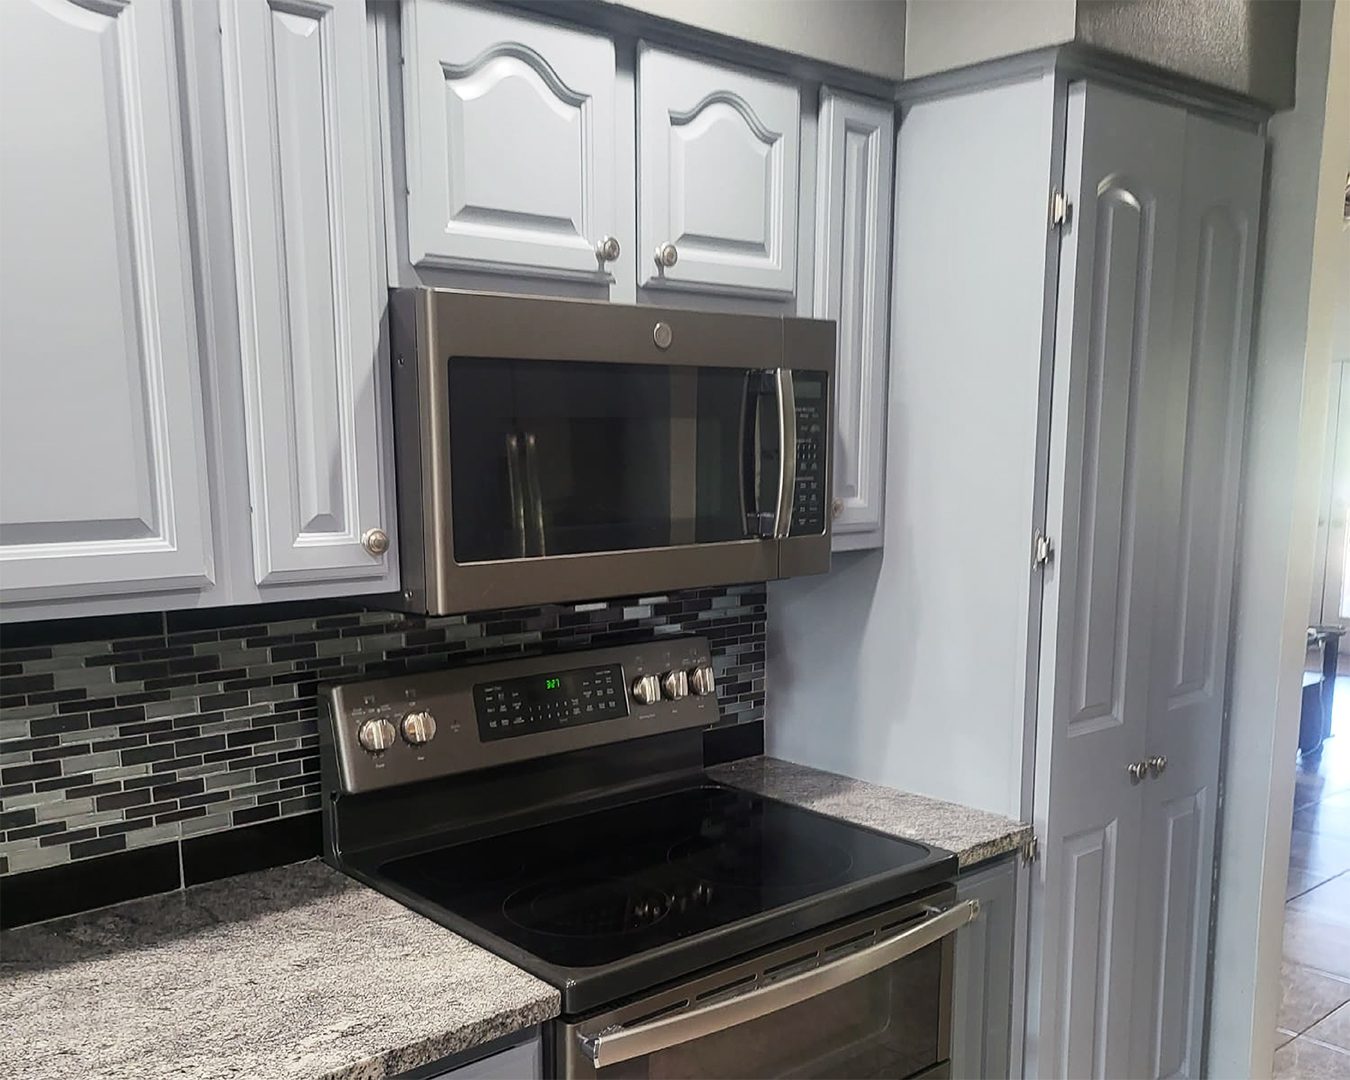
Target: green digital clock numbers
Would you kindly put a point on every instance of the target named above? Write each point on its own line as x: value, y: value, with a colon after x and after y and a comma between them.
x: 553, y: 683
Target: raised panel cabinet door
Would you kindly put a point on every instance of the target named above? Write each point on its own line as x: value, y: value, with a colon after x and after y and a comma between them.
x: 1112, y: 340
x: 509, y: 129
x: 1211, y: 332
x: 852, y: 286
x: 718, y: 153
x: 304, y: 206
x: 983, y: 974
x: 103, y: 485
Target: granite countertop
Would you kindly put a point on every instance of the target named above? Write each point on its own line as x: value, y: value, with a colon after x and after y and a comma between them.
x: 293, y: 972
x: 973, y: 835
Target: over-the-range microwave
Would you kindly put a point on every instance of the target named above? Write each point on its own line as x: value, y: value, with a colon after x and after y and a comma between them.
x: 554, y: 450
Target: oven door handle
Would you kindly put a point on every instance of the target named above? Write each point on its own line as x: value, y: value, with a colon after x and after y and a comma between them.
x: 623, y: 1044
x: 786, y: 394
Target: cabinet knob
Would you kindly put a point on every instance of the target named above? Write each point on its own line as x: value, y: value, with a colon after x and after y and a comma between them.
x: 1137, y: 770
x: 607, y: 250
x: 375, y: 541
x: 836, y: 506
x: 1157, y: 765
x: 667, y: 255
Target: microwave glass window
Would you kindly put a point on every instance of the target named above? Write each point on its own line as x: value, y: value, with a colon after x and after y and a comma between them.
x: 562, y: 457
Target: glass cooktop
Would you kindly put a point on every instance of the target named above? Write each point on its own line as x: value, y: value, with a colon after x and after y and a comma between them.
x: 660, y: 873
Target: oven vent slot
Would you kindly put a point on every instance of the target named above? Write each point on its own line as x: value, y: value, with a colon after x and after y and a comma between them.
x: 849, y: 945
x: 726, y: 988
x: 908, y: 920
x: 656, y: 1014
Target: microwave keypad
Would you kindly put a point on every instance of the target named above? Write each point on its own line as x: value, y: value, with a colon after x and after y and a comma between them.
x: 808, y: 506
x: 549, y: 701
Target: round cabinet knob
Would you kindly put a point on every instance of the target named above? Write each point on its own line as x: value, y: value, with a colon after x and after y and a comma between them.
x: 675, y: 685
x: 836, y: 506
x: 418, y: 728
x: 702, y: 681
x: 375, y: 541
x: 667, y: 255
x: 1137, y: 770
x: 646, y: 690
x: 607, y: 250
x: 376, y: 735
x: 1157, y: 765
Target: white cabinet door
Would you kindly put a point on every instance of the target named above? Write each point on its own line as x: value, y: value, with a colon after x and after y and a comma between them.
x: 102, y: 459
x: 1105, y: 511
x: 852, y: 286
x: 510, y: 143
x: 1220, y: 207
x: 983, y: 974
x: 717, y: 176
x: 304, y: 206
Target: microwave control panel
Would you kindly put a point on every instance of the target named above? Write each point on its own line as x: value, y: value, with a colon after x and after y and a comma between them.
x: 809, y: 498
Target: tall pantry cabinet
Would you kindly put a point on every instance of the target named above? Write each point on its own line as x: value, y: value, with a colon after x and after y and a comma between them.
x: 1087, y: 317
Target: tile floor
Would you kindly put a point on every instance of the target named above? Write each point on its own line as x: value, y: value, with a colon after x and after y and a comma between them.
x: 1313, y: 1039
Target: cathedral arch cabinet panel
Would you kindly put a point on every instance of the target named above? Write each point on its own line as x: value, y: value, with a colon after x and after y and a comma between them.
x: 718, y: 157
x: 511, y: 145
x: 103, y: 483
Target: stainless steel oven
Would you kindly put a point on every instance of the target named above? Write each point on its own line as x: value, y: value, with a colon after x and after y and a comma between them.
x: 870, y: 998
x: 553, y: 450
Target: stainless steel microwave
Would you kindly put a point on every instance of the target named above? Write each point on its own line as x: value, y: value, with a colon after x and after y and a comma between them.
x: 552, y: 450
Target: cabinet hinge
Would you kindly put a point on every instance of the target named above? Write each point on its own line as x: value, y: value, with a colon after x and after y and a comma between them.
x: 1031, y: 851
x: 1042, y: 550
x: 1061, y: 210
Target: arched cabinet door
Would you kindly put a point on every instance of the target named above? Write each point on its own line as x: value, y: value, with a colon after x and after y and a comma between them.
x: 103, y: 482
x: 717, y: 177
x: 510, y: 144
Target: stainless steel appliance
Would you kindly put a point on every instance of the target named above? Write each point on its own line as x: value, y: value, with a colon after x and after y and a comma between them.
x: 555, y: 450
x: 554, y: 809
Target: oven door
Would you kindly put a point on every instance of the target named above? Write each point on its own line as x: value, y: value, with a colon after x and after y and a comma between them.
x: 871, y: 998
x: 567, y: 450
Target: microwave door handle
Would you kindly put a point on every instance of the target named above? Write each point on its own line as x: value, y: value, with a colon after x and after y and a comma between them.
x: 755, y: 525
x: 535, y: 494
x: 515, y: 481
x: 786, y: 394
x: 613, y: 1046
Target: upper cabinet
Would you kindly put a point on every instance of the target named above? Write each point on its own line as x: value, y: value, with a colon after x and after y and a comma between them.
x: 510, y: 144
x: 302, y: 186
x: 103, y: 488
x: 718, y: 156
x: 852, y: 287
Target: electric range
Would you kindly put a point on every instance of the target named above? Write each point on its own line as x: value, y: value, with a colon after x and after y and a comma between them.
x: 555, y: 811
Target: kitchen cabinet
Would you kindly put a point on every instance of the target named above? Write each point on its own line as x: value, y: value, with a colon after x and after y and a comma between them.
x: 852, y: 287
x: 511, y: 145
x: 983, y: 973
x: 523, y: 1061
x: 1093, y: 409
x: 104, y: 486
x: 302, y: 187
x: 718, y: 159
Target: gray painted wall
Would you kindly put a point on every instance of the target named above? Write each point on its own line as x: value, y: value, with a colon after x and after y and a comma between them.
x: 1247, y: 46
x: 864, y: 35
x: 1284, y: 454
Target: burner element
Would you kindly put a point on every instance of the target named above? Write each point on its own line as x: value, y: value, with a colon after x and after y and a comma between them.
x: 587, y: 907
x: 755, y: 859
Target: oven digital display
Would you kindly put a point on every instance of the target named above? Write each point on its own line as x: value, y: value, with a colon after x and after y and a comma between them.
x: 534, y: 703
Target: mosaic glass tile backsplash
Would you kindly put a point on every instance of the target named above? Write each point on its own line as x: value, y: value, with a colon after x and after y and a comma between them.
x: 207, y: 721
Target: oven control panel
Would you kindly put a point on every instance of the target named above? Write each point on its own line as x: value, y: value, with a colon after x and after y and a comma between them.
x: 386, y: 732
x: 550, y: 700
x: 811, y: 495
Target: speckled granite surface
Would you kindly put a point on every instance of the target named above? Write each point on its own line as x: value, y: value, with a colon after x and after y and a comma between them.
x: 293, y: 972
x: 974, y: 835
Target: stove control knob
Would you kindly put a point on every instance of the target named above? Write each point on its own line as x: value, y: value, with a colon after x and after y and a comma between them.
x: 646, y: 689
x: 376, y: 735
x: 675, y: 684
x: 418, y: 728
x: 702, y: 681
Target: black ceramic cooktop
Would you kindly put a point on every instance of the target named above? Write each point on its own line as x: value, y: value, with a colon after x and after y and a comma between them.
x: 621, y: 899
